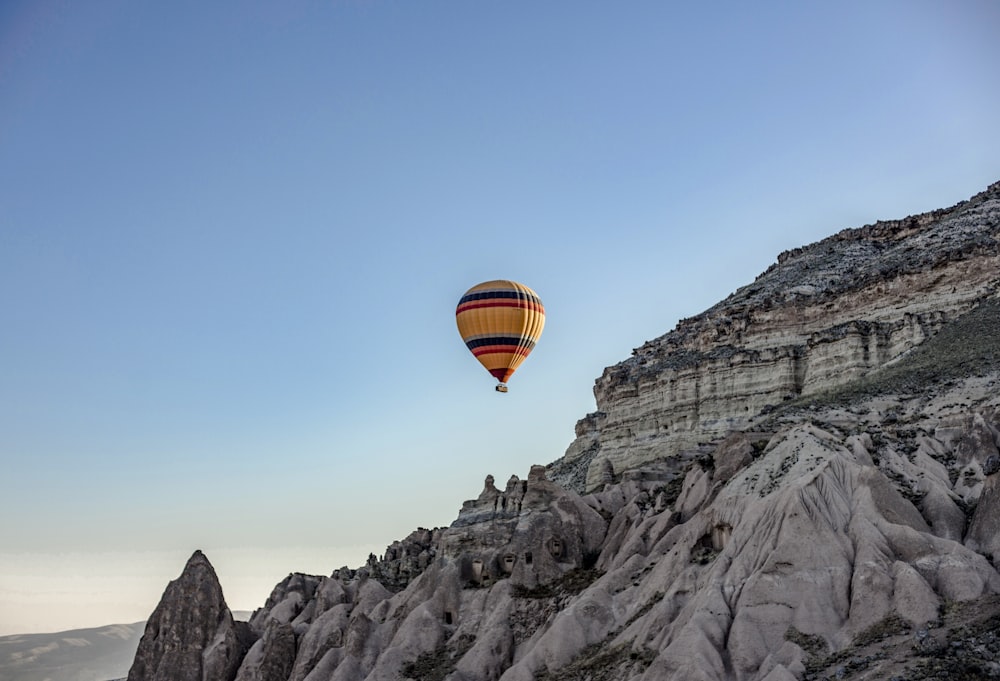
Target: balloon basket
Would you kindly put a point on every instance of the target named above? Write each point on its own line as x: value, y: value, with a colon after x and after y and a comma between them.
x: 501, y: 388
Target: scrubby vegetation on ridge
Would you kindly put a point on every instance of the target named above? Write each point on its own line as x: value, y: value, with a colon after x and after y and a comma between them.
x: 963, y: 644
x: 968, y: 346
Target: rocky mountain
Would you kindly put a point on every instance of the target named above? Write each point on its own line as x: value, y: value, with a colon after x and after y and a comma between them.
x: 799, y: 483
x: 91, y: 654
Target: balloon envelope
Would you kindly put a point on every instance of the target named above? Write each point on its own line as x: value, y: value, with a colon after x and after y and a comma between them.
x: 500, y: 322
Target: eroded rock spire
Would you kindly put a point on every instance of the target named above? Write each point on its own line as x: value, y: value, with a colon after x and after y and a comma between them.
x: 191, y: 635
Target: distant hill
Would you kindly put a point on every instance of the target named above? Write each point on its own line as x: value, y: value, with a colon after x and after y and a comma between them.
x: 98, y: 654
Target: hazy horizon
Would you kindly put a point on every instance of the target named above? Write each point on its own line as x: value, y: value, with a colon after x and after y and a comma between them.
x: 133, y: 582
x: 233, y: 235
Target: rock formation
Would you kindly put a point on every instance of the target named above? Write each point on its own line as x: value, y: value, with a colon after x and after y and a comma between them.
x: 800, y: 483
x: 191, y: 635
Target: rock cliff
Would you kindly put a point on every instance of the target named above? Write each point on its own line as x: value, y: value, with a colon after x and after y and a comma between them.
x: 820, y: 317
x: 799, y: 483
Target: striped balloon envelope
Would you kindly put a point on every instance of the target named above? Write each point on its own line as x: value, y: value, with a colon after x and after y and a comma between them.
x: 500, y: 322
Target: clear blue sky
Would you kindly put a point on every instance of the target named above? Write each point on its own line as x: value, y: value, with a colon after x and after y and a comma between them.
x: 233, y: 235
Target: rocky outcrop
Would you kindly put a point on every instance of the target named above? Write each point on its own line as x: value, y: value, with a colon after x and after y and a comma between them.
x: 532, y: 532
x: 271, y: 658
x: 701, y: 526
x: 442, y: 586
x: 191, y: 635
x: 405, y: 559
x: 822, y: 316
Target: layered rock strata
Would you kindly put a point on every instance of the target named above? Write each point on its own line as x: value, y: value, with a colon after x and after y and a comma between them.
x: 823, y: 315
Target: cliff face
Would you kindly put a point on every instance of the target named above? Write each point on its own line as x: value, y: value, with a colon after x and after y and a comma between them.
x: 800, y: 483
x: 820, y: 317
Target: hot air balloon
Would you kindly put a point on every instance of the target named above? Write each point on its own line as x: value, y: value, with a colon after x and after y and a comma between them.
x: 500, y: 322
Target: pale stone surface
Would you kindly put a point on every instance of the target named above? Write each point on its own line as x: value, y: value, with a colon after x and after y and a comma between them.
x: 984, y: 531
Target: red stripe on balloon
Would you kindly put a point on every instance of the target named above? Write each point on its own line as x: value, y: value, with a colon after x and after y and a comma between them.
x: 523, y: 304
x: 497, y: 349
